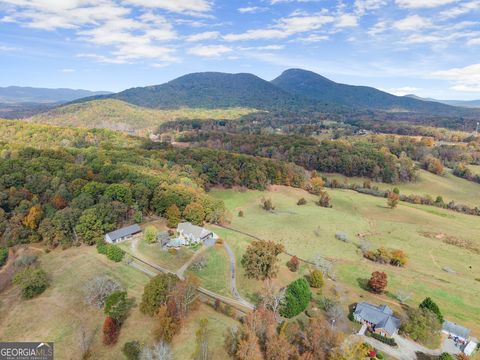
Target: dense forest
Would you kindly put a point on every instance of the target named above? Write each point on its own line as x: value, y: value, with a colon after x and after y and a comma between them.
x: 71, y: 192
x: 340, y: 156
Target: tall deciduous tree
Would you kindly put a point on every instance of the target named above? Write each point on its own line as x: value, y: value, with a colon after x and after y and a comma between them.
x: 261, y: 259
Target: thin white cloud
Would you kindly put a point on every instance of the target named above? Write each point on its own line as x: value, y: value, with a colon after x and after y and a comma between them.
x: 402, y: 91
x: 364, y: 6
x: 251, y: 9
x: 466, y: 79
x: 313, y: 38
x: 423, y: 3
x: 284, y: 28
x: 67, y: 70
x: 461, y: 9
x: 346, y: 20
x: 178, y: 6
x: 207, y: 35
x: 5, y: 48
x: 412, y: 23
x: 209, y: 51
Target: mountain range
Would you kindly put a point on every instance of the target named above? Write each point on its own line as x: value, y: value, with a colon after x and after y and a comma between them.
x: 19, y: 94
x: 461, y: 103
x: 293, y: 90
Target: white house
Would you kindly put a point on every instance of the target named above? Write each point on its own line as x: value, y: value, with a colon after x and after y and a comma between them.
x: 122, y: 234
x: 189, y: 234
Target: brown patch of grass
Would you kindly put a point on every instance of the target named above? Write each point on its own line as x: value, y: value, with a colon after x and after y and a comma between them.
x: 453, y: 240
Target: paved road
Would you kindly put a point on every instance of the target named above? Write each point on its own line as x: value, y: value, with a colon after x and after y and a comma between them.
x: 233, y: 278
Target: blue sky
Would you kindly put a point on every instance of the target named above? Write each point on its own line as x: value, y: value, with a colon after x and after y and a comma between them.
x: 426, y: 47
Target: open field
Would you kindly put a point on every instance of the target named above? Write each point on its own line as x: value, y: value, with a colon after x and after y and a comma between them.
x: 423, y: 232
x: 448, y: 185
x: 184, y: 343
x: 119, y: 115
x: 59, y: 314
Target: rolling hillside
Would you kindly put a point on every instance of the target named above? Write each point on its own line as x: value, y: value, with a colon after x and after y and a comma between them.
x: 311, y: 85
x: 119, y: 115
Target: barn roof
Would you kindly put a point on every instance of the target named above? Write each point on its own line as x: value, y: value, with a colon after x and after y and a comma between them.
x: 456, y: 329
x: 125, y: 231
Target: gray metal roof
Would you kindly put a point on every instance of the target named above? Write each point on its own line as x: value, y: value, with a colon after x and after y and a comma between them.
x: 381, y: 316
x: 125, y: 231
x: 194, y: 231
x: 456, y: 329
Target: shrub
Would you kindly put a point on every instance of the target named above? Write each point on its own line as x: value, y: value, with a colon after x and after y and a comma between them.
x: 302, y: 201
x: 25, y: 260
x: 429, y: 304
x: 297, y: 297
x: 267, y: 204
x: 293, y: 263
x: 3, y: 255
x: 132, y: 350
x: 240, y: 213
x: 380, y: 356
x: 110, y: 331
x: 117, y: 306
x: 101, y: 246
x: 384, y: 339
x: 445, y: 356
x: 324, y: 200
x: 341, y: 236
x: 114, y: 253
x: 32, y: 282
x: 150, y: 235
x: 316, y: 279
x: 172, y: 251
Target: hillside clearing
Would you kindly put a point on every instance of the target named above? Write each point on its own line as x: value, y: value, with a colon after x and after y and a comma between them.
x: 119, y: 115
x: 310, y: 230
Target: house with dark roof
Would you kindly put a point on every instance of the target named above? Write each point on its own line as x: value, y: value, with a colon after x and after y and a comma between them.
x: 378, y: 318
x: 122, y: 234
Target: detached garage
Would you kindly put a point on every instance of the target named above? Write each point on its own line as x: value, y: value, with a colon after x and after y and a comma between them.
x: 122, y: 234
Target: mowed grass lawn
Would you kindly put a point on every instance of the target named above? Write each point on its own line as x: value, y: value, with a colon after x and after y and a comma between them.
x: 310, y: 230
x: 60, y: 315
x: 449, y: 186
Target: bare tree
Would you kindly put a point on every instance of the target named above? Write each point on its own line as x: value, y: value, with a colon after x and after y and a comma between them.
x: 86, y: 339
x: 364, y: 245
x: 160, y: 351
x: 403, y: 296
x: 97, y: 290
x: 325, y: 266
x: 334, y: 311
x: 273, y: 298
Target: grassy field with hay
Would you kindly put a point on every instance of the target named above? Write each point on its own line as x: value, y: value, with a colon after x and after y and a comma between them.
x: 443, y: 246
x: 449, y: 186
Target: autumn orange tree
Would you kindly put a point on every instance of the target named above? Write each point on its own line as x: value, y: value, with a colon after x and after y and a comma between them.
x: 378, y: 282
x: 392, y: 199
x: 110, y: 331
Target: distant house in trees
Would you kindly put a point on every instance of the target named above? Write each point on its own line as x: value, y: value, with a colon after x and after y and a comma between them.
x: 122, y: 234
x: 379, y: 319
x: 189, y: 234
